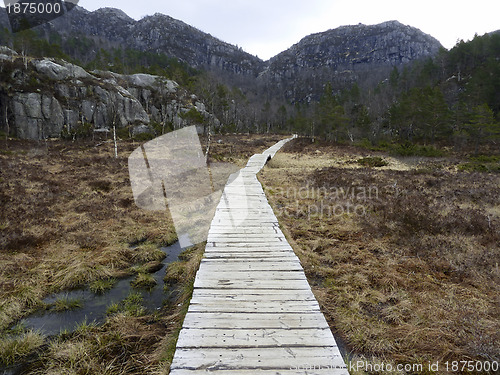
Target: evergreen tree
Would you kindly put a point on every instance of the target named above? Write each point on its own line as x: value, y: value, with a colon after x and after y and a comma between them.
x: 435, y: 113
x: 482, y: 126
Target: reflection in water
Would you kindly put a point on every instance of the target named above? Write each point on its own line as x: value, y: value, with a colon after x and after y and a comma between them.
x: 95, y: 306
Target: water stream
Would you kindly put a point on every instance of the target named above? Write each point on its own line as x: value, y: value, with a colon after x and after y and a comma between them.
x: 94, y: 306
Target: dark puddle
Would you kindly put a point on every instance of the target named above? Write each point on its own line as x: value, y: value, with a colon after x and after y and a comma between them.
x: 94, y: 306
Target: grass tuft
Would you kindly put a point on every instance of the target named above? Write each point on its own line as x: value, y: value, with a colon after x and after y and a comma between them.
x: 66, y: 304
x: 14, y: 349
x: 144, y: 281
x: 130, y: 306
x: 102, y: 286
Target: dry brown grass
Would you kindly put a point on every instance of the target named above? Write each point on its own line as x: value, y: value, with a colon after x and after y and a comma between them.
x: 410, y: 276
x: 67, y: 219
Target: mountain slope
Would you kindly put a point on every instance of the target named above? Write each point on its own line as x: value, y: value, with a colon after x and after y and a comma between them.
x: 346, y: 55
x: 157, y: 33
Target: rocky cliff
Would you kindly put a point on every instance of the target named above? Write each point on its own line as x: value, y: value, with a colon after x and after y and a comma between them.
x: 43, y: 98
x: 346, y: 55
x: 156, y: 33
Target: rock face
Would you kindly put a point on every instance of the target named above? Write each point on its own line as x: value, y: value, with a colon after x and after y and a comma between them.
x: 346, y: 55
x: 157, y: 33
x: 355, y: 48
x: 46, y: 98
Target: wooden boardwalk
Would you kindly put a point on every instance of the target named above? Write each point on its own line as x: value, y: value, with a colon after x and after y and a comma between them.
x: 253, y: 311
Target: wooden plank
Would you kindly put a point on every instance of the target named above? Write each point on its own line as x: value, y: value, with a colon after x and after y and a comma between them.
x: 244, y: 284
x: 250, y: 275
x: 249, y: 266
x: 253, y: 338
x: 256, y: 232
x: 246, y: 244
x: 250, y: 248
x: 261, y: 230
x: 237, y: 321
x: 251, y: 295
x: 293, y: 371
x: 255, y: 307
x: 278, y: 358
x: 251, y: 256
x: 245, y: 238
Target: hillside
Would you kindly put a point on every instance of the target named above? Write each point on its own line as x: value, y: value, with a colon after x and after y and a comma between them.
x: 346, y: 55
x: 345, y: 50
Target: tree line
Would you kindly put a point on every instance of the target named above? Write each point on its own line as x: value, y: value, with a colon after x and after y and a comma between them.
x: 452, y: 98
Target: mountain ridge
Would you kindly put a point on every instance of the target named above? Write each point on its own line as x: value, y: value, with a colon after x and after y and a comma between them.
x: 78, y: 11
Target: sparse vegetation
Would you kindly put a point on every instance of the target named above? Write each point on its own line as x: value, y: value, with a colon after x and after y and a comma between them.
x: 132, y: 306
x: 102, y: 286
x: 409, y: 274
x: 144, y: 281
x: 373, y: 161
x: 65, y: 304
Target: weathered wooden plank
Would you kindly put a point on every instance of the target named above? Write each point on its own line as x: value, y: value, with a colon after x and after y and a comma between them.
x: 245, y: 244
x: 278, y: 358
x: 260, y: 230
x: 250, y: 248
x: 250, y: 275
x: 249, y: 266
x: 237, y: 321
x: 253, y: 338
x: 251, y: 295
x: 294, y: 371
x: 228, y: 306
x: 272, y: 239
x: 250, y: 256
x: 257, y: 234
x: 259, y: 283
x: 250, y: 260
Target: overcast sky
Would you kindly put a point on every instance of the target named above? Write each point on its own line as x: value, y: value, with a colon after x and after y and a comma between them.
x: 267, y: 27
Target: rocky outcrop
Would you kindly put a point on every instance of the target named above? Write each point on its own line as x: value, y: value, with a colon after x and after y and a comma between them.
x: 346, y: 55
x: 47, y: 98
x: 156, y: 33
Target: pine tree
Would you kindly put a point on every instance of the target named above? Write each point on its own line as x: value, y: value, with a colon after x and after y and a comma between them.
x: 482, y: 125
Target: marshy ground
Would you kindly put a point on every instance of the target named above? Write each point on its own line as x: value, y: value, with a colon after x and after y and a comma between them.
x: 68, y: 220
x: 403, y: 255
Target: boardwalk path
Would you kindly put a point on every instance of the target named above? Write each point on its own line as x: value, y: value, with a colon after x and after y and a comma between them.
x: 252, y: 310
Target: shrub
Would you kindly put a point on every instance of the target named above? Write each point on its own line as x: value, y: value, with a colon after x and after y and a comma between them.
x: 412, y: 149
x: 375, y: 161
x: 479, y: 167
